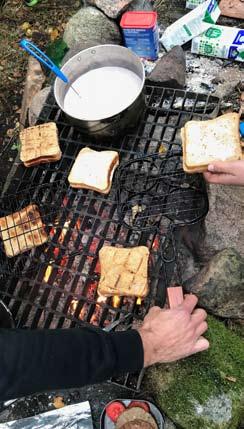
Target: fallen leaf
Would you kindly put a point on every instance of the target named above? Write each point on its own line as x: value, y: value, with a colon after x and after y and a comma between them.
x: 25, y: 26
x: 54, y: 34
x: 230, y: 378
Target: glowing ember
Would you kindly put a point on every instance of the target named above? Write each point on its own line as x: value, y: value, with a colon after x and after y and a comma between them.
x: 138, y: 301
x: 116, y: 301
x: 73, y: 306
x: 47, y: 273
x: 156, y: 244
x: 101, y: 299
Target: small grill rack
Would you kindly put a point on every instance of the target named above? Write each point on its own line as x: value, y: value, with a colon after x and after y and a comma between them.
x: 56, y: 285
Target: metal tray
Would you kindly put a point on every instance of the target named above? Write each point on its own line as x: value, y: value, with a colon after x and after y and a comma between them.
x: 106, y: 423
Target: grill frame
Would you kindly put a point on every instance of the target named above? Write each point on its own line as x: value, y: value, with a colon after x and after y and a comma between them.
x: 166, y: 112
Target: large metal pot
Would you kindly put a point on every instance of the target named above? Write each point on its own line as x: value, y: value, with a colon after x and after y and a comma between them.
x: 94, y: 58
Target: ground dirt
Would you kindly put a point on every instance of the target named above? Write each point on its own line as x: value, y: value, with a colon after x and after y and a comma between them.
x: 42, y: 24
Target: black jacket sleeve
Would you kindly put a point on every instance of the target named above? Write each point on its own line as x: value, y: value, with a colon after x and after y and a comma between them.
x: 39, y: 360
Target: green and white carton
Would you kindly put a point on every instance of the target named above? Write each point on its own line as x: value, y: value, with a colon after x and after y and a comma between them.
x: 220, y: 41
x: 191, y: 4
x: 191, y: 25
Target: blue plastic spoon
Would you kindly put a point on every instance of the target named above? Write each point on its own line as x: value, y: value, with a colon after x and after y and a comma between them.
x: 242, y: 129
x: 44, y: 59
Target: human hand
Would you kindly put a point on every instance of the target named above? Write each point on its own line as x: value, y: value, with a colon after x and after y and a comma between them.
x: 226, y: 173
x: 172, y: 334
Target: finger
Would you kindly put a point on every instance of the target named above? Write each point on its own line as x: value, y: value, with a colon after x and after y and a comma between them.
x: 189, y: 303
x: 154, y: 309
x: 222, y: 167
x: 201, y: 345
x: 220, y: 179
x: 201, y: 329
x: 198, y: 316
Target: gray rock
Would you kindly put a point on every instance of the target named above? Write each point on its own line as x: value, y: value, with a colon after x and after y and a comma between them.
x: 141, y: 5
x: 111, y: 8
x: 170, y: 69
x: 83, y: 45
x: 220, y: 285
x: 91, y: 24
x: 37, y: 104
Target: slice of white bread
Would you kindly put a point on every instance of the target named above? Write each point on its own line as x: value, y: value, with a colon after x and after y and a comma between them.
x: 212, y: 140
x: 94, y: 170
x: 39, y: 144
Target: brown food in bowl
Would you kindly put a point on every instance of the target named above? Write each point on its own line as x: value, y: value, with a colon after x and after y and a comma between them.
x: 133, y: 414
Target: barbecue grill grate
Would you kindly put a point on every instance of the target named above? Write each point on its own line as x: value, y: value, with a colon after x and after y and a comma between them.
x: 61, y: 291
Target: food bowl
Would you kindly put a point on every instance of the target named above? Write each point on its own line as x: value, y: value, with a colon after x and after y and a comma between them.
x: 107, y: 423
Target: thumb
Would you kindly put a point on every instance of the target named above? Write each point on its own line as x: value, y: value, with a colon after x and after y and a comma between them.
x: 222, y: 167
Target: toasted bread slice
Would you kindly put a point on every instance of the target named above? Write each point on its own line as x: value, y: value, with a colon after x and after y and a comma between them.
x: 94, y: 170
x: 22, y: 230
x: 39, y: 144
x: 213, y: 140
x: 124, y: 272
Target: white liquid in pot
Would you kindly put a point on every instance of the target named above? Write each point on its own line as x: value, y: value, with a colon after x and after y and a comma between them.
x: 104, y: 92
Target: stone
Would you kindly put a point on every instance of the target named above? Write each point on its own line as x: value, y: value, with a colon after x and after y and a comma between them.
x: 204, y: 391
x: 219, y: 286
x: 170, y: 70
x: 111, y: 8
x: 81, y: 46
x: 225, y: 221
x: 91, y: 24
x: 141, y: 5
x: 169, y: 11
x: 37, y: 104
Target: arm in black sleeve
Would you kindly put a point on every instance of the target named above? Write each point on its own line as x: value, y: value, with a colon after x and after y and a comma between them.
x: 38, y: 360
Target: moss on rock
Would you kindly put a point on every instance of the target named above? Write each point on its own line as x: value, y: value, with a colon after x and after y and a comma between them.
x: 205, y: 391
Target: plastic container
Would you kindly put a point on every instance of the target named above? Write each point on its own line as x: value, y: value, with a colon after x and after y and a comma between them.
x: 140, y: 31
x: 106, y: 423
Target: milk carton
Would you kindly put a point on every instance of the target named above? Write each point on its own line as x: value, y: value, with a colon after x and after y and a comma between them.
x: 220, y: 41
x: 191, y: 25
x: 191, y: 4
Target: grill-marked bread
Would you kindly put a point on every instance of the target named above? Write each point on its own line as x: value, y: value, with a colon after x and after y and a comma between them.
x: 94, y: 170
x: 124, y: 272
x: 208, y: 141
x: 39, y: 144
x: 22, y: 230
